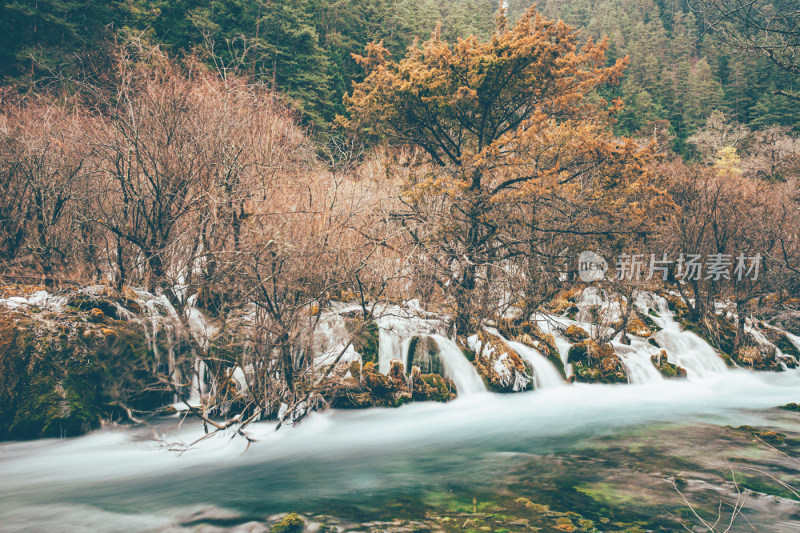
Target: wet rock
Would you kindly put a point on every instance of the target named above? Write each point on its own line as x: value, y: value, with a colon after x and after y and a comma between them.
x: 291, y: 523
x: 575, y: 334
x: 595, y: 363
x: 637, y: 327
x: 758, y: 357
x: 667, y: 369
x: 502, y: 369
x: 60, y: 374
x: 770, y: 437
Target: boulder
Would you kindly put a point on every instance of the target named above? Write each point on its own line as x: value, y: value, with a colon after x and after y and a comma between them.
x: 637, y: 327
x: 61, y: 374
x: 502, y: 369
x: 575, y: 334
x: 595, y: 363
x: 758, y: 357
x: 667, y: 369
x: 291, y: 523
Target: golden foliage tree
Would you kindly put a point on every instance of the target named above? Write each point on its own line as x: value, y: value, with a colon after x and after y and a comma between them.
x: 503, y: 123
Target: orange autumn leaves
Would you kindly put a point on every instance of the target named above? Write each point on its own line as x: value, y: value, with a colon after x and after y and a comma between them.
x: 506, y: 119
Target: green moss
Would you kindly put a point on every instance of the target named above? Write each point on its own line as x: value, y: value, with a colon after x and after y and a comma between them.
x: 790, y: 407
x: 667, y: 369
x: 289, y: 524
x: 593, y: 363
x: 608, y: 494
x: 578, y: 352
x: 436, y: 388
x: 722, y: 343
x: 61, y: 379
x: 650, y: 323
x: 770, y: 437
x: 787, y: 346
x: 367, y: 343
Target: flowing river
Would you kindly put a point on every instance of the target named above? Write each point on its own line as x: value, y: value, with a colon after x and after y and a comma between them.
x: 586, y: 457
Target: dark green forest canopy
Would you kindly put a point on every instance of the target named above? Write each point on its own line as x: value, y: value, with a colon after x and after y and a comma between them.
x: 304, y: 47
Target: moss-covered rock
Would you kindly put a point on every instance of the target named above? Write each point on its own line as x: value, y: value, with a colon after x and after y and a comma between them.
x: 667, y: 369
x: 719, y: 332
x: 291, y: 523
x: 780, y: 340
x: 649, y: 322
x: 104, y: 298
x: 595, y: 363
x: 790, y: 407
x: 677, y: 305
x: 366, y: 342
x: 431, y: 387
x: 757, y: 357
x: 636, y: 326
x: 531, y: 335
x: 369, y: 388
x: 501, y: 368
x: 575, y: 334
x: 770, y: 437
x: 61, y: 374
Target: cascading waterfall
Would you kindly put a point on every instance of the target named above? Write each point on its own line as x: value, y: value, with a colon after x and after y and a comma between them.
x: 457, y: 368
x: 794, y: 339
x: 389, y: 347
x: 545, y: 374
x: 396, y: 327
x: 563, y: 346
x: 685, y: 348
x: 636, y: 359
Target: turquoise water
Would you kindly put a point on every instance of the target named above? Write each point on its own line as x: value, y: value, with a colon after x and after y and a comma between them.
x: 586, y: 457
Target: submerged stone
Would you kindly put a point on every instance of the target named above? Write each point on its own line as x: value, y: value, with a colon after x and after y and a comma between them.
x: 667, y: 369
x: 291, y: 523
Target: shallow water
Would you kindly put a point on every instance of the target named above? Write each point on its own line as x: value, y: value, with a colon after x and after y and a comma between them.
x: 567, y: 447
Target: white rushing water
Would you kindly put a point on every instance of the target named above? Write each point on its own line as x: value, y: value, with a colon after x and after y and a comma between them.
x: 390, y: 347
x: 685, y: 348
x: 120, y: 481
x: 457, y: 368
x: 636, y: 359
x: 545, y: 374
